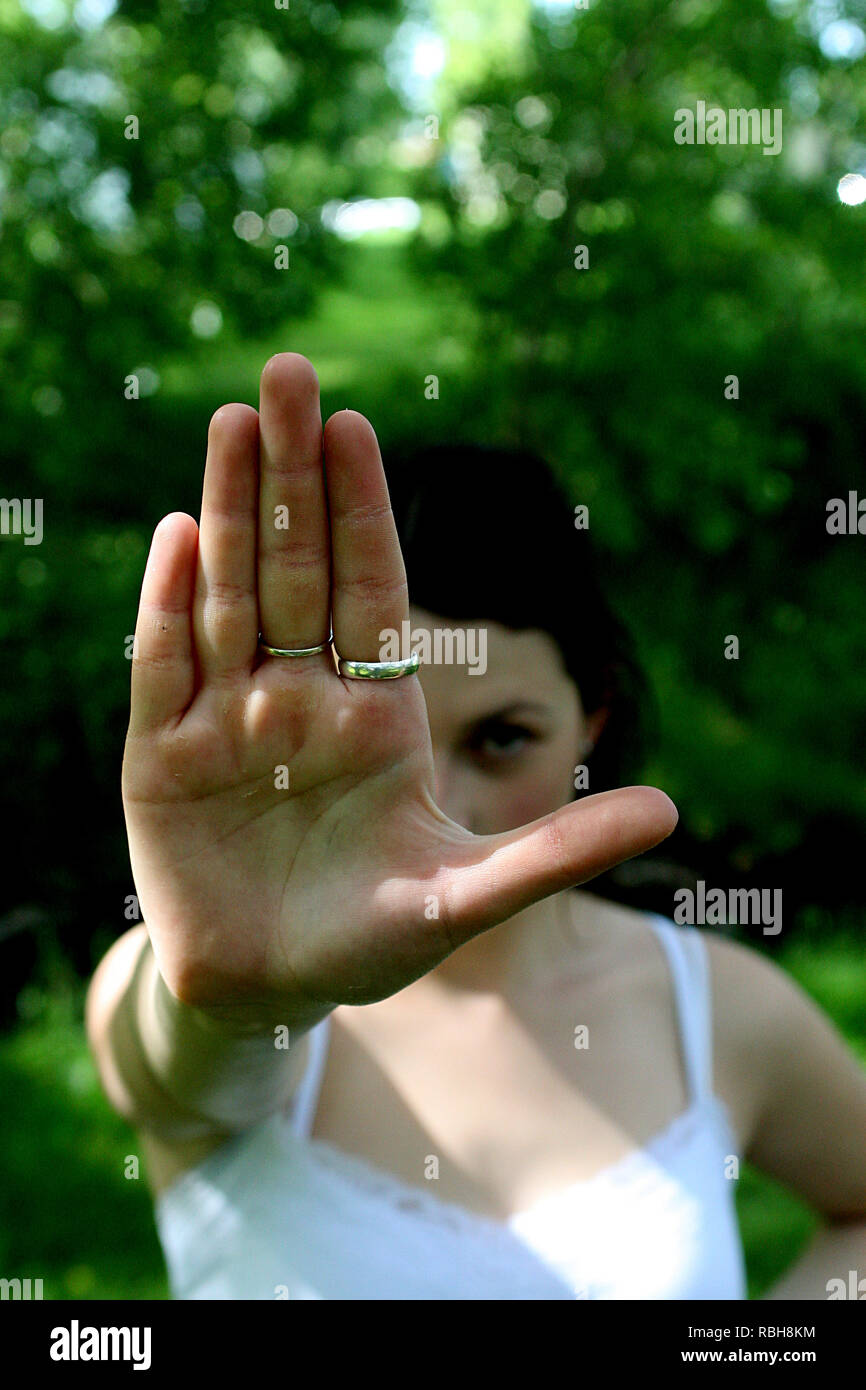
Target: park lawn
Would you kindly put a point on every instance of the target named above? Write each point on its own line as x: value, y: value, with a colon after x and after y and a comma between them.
x: 73, y: 1213
x: 373, y: 341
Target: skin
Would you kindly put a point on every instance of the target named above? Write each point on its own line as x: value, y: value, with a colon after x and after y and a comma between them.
x: 443, y: 783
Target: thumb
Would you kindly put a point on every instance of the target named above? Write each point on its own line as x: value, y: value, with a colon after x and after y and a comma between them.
x: 503, y: 874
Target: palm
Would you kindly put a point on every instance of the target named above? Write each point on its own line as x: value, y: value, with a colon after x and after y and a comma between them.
x: 282, y: 829
x: 309, y: 829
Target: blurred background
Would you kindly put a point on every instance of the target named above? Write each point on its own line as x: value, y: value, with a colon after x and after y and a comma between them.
x: 398, y: 191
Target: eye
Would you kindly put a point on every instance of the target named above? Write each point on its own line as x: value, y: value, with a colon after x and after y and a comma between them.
x: 500, y: 738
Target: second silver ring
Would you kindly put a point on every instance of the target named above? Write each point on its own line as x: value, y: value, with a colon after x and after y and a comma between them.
x: 378, y: 670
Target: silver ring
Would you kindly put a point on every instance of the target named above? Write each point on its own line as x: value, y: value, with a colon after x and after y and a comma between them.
x: 296, y: 651
x: 379, y: 670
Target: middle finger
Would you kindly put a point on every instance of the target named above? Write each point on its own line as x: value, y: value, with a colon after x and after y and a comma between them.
x: 293, y: 544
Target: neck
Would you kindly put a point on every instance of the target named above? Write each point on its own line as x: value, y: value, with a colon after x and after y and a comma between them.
x: 521, y: 949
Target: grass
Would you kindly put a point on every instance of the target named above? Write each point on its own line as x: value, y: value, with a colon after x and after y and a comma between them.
x: 371, y: 341
x: 73, y: 1212
x: 69, y: 1214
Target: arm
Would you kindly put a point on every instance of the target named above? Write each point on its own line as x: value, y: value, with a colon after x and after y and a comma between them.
x: 808, y: 1121
x: 179, y: 1072
x: 836, y: 1249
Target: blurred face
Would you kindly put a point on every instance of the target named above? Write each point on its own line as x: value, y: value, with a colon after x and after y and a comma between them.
x: 505, y: 742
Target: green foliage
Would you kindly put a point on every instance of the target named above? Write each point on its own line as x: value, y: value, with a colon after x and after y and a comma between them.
x: 704, y: 262
x: 130, y: 150
x: 118, y: 254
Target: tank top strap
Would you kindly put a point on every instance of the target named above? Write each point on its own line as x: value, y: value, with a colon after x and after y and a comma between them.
x: 302, y: 1112
x: 689, y: 965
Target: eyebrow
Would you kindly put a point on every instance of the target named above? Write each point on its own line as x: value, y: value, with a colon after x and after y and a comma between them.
x: 501, y: 712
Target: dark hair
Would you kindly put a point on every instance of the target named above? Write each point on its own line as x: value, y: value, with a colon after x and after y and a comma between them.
x: 489, y: 533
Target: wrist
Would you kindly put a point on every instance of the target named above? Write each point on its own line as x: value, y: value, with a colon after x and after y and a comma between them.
x: 230, y: 1022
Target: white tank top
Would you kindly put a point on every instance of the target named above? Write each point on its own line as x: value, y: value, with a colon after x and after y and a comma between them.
x: 274, y: 1213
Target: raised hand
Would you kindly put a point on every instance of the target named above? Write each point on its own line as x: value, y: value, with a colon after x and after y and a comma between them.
x: 285, y: 844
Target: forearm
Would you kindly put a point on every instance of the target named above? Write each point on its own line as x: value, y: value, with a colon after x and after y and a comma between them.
x: 179, y: 1072
x: 836, y: 1250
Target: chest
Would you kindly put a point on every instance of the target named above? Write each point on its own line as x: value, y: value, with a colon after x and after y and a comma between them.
x: 496, y: 1106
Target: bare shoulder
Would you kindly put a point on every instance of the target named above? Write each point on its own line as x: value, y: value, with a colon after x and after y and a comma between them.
x: 755, y: 1000
x: 762, y: 1021
x: 809, y: 1086
x: 755, y: 1006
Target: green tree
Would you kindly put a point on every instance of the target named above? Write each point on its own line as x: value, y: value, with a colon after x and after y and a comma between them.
x: 153, y: 161
x: 701, y: 263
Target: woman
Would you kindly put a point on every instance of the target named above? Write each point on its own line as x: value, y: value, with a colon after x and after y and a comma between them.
x: 375, y: 1042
